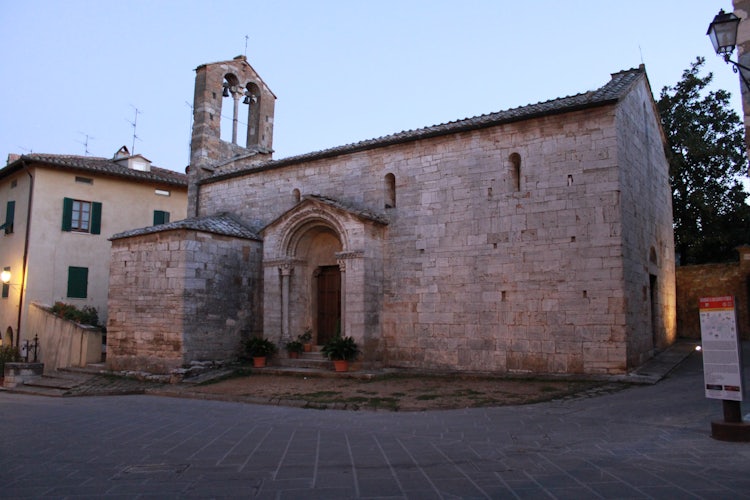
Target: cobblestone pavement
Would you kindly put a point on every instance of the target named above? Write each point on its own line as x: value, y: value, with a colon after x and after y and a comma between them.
x: 641, y: 442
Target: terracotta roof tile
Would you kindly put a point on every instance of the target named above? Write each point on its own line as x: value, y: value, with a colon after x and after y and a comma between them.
x: 221, y: 224
x: 610, y: 93
x: 102, y: 166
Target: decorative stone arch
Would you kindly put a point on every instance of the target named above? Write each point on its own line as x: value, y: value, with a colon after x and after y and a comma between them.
x: 301, y: 223
x: 319, y: 236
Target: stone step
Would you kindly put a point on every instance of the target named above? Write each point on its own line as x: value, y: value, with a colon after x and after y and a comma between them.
x: 208, y: 376
x: 37, y: 390
x: 91, y: 368
x: 58, y: 380
x: 307, y: 360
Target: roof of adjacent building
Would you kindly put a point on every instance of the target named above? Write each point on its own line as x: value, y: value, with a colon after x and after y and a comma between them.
x: 96, y: 165
x: 614, y: 90
x: 222, y: 224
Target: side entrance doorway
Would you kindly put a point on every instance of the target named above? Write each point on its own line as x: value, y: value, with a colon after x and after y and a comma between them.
x: 329, y: 303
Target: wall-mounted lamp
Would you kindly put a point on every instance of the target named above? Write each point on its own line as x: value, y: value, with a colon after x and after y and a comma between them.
x: 5, y: 276
x: 723, y: 34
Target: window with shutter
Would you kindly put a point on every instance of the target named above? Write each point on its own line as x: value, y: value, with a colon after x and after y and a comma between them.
x: 6, y: 286
x: 160, y: 217
x: 81, y: 216
x: 10, y: 213
x: 78, y: 282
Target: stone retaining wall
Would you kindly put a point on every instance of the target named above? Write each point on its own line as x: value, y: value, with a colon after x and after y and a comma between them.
x: 713, y: 280
x: 62, y: 343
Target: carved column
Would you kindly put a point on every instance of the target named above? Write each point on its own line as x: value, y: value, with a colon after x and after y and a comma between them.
x: 285, y: 270
x: 342, y: 270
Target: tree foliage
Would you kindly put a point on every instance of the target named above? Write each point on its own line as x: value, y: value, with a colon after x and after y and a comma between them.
x: 707, y: 161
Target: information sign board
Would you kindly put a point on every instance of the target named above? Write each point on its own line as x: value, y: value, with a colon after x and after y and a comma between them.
x: 722, y: 367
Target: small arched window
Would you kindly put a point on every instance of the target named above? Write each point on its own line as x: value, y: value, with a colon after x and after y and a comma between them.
x: 296, y: 195
x: 390, y: 190
x: 515, y: 171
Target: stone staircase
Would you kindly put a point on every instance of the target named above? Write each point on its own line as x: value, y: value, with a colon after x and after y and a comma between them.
x: 57, y: 383
x: 313, y: 360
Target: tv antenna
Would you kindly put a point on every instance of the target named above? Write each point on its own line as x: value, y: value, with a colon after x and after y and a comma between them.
x: 246, y: 38
x: 86, y: 143
x: 134, y: 124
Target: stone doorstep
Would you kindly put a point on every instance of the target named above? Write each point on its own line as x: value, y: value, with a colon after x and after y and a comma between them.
x: 35, y: 390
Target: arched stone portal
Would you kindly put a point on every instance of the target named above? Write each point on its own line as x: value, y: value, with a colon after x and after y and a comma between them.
x: 323, y: 265
x: 315, y: 297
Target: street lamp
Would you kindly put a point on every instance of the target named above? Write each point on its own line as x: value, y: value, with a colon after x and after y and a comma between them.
x: 723, y: 34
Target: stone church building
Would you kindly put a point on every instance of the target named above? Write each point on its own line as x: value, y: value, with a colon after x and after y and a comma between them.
x: 536, y: 239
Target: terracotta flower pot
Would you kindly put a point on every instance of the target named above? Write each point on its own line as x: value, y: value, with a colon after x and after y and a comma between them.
x: 341, y: 365
x: 308, y: 347
x: 293, y: 355
x: 259, y: 362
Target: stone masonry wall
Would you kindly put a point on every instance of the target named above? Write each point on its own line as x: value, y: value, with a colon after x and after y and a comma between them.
x: 222, y: 295
x: 647, y: 236
x: 180, y: 296
x: 146, y: 290
x: 481, y: 272
x: 713, y: 280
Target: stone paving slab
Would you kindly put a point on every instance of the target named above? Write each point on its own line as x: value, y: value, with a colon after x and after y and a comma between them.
x: 647, y: 441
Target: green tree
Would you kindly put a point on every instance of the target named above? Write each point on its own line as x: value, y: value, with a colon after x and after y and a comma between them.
x: 707, y: 162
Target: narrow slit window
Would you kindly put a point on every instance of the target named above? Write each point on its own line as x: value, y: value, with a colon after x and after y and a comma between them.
x: 390, y: 190
x: 515, y: 171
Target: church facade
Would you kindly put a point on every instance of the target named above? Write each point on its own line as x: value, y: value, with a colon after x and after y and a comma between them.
x: 532, y: 240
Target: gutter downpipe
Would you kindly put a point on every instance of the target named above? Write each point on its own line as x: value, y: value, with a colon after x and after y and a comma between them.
x: 25, y: 254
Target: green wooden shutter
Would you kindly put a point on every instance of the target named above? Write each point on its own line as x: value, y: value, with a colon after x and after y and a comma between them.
x: 78, y: 282
x: 10, y: 213
x: 160, y: 217
x: 6, y: 286
x: 67, y: 214
x: 96, y: 217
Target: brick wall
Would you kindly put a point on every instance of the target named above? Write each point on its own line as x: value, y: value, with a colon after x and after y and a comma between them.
x: 713, y: 280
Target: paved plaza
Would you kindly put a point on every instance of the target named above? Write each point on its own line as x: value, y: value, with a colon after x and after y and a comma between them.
x: 650, y: 441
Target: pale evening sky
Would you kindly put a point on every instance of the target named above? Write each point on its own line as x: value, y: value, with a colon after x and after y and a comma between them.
x: 342, y: 71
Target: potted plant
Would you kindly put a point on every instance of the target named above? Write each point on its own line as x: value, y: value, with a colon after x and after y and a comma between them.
x: 306, y: 339
x: 294, y: 348
x: 341, y: 350
x: 259, y: 349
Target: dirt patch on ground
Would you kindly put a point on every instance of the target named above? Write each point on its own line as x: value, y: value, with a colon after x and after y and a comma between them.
x: 397, y: 393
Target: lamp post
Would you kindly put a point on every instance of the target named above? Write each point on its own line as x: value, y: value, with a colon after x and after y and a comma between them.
x: 723, y: 34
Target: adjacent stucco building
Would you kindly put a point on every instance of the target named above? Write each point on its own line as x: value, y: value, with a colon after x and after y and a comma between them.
x: 537, y: 239
x: 59, y: 211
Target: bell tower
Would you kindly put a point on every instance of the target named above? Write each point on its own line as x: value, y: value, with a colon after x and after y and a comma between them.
x: 232, y: 91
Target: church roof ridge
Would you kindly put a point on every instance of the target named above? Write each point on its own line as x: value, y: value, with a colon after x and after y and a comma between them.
x: 611, y: 92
